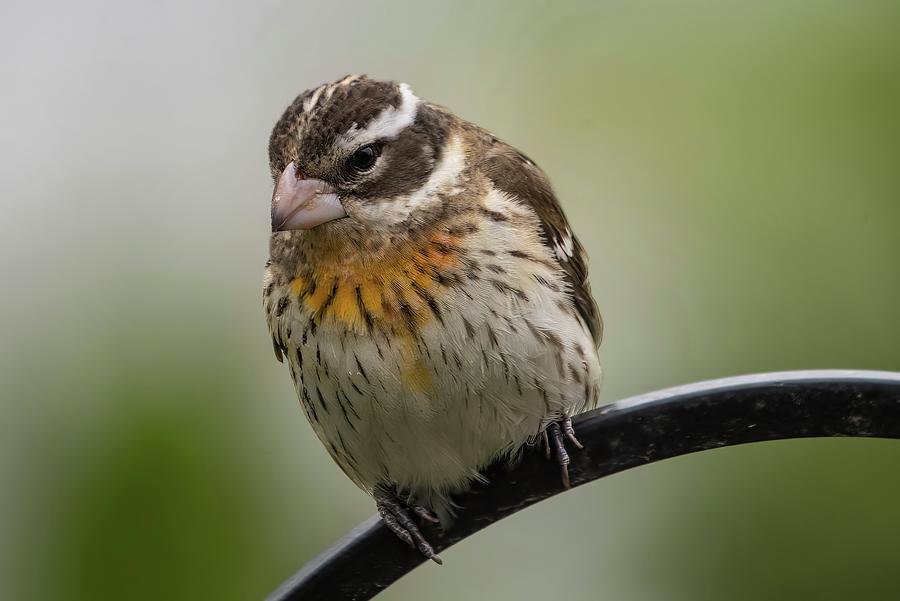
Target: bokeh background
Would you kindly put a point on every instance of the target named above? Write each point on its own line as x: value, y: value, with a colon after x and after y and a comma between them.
x: 732, y: 167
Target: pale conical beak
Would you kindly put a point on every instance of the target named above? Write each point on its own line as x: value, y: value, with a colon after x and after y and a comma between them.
x: 302, y: 204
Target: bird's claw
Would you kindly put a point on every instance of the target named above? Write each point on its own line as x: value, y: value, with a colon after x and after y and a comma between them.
x: 555, y: 436
x: 395, y: 514
x: 569, y: 432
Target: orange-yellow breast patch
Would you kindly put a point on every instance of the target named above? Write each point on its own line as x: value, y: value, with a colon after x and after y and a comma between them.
x: 391, y: 291
x: 394, y: 292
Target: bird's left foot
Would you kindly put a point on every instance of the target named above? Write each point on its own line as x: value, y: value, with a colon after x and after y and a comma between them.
x: 396, y: 516
x: 554, y: 440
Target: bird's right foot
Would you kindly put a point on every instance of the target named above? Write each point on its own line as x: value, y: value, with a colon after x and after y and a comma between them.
x: 396, y: 516
x: 555, y: 436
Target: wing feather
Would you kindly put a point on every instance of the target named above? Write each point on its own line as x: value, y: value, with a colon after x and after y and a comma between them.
x: 517, y: 175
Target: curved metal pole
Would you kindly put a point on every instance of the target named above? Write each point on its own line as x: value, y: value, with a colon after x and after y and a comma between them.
x: 617, y: 437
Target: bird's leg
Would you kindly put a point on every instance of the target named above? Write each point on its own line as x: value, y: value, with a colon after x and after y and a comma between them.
x: 395, y: 514
x: 554, y: 438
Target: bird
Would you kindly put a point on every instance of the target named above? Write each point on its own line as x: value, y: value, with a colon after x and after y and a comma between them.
x: 428, y: 295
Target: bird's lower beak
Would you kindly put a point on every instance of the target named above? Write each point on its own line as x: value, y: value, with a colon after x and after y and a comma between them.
x: 302, y: 204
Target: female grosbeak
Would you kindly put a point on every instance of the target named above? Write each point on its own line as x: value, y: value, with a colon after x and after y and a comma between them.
x: 427, y: 292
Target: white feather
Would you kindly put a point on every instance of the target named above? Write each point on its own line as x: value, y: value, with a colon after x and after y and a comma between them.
x: 565, y: 247
x: 310, y: 103
x: 388, y: 124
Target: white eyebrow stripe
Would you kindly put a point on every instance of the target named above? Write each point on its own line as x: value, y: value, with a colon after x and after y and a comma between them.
x: 390, y: 122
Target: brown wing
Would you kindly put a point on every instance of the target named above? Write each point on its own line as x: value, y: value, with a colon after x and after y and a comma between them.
x: 514, y: 173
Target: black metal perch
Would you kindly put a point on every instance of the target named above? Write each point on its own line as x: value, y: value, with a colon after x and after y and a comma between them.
x: 623, y: 435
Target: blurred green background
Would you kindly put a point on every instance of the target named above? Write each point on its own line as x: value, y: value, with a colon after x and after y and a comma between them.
x: 732, y: 167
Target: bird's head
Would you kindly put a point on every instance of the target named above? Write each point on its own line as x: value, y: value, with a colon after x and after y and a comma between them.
x: 361, y: 157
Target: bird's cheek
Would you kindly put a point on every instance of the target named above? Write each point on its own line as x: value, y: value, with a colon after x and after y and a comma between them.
x: 382, y: 213
x: 362, y: 212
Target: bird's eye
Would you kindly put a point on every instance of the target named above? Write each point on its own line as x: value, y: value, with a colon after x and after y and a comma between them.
x: 363, y: 159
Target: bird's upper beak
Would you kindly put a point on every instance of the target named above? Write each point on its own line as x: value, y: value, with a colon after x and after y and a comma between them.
x: 302, y: 204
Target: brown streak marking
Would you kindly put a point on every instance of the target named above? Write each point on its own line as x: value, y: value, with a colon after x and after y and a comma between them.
x: 470, y: 331
x: 308, y: 403
x: 367, y: 317
x: 345, y: 452
x: 492, y: 337
x: 494, y: 215
x: 524, y: 255
x: 340, y: 393
x: 409, y: 315
x: 429, y: 300
x: 310, y: 288
x: 360, y: 369
x: 511, y: 326
x: 537, y: 333
x: 329, y: 299
x: 504, y: 287
x: 322, y: 401
x: 545, y: 283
